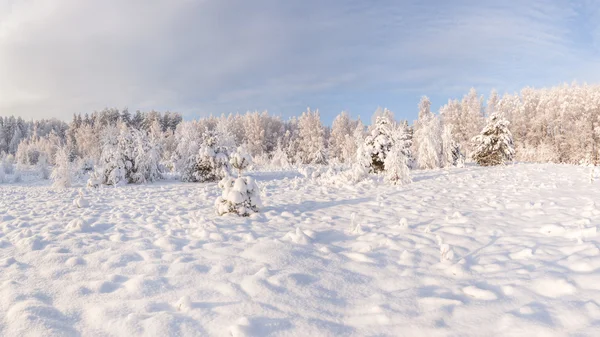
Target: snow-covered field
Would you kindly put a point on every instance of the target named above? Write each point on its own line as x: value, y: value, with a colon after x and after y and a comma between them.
x: 507, y: 251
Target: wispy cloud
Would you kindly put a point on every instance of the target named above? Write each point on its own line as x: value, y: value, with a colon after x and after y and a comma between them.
x: 58, y: 57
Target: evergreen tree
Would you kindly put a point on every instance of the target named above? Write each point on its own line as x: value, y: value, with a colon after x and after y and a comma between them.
x: 378, y: 143
x: 494, y: 146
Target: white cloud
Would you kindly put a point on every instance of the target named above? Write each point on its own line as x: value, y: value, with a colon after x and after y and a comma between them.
x: 58, y: 57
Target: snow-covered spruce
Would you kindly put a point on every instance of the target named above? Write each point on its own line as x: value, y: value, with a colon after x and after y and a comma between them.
x: 494, y: 146
x: 240, y: 196
x: 378, y: 143
x: 210, y: 163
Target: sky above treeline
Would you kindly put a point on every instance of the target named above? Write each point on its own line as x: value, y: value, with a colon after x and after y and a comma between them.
x: 201, y: 57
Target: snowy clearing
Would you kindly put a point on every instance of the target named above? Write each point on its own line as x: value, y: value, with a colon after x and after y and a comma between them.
x: 462, y: 252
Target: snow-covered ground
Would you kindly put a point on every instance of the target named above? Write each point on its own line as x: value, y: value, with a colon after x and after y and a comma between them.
x: 507, y: 251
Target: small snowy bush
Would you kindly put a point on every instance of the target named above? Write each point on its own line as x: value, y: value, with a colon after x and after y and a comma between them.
x: 95, y: 179
x: 240, y: 196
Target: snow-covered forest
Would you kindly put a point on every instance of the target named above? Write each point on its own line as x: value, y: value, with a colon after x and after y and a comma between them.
x: 558, y: 125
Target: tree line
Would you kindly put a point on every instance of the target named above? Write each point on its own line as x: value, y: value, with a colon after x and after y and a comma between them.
x: 558, y: 124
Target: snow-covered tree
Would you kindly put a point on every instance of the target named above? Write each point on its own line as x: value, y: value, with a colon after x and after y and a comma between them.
x: 255, y: 132
x: 240, y: 160
x: 311, y: 147
x: 146, y: 155
x: 16, y: 139
x: 494, y: 146
x: 492, y: 103
x: 117, y: 159
x: 424, y: 107
x: 428, y: 139
x: 471, y: 120
x: 188, y: 139
x: 381, y: 113
x: 341, y: 130
x: 18, y: 174
x: 62, y: 172
x: 240, y: 196
x: 451, y: 152
x: 397, y: 160
x: 378, y: 143
x: 42, y: 167
x: 7, y: 164
x: 403, y: 135
x: 280, y: 157
x: 210, y: 163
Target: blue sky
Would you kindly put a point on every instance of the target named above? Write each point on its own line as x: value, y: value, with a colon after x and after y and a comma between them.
x: 199, y: 57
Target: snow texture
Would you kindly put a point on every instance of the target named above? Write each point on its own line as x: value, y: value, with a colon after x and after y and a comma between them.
x: 497, y: 251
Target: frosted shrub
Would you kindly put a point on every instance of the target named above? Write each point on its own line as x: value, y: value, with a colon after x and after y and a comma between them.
x: 240, y: 196
x: 95, y: 179
x: 2, y: 175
